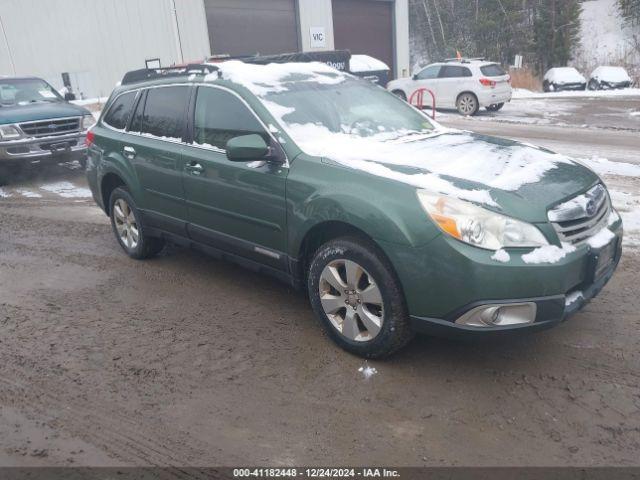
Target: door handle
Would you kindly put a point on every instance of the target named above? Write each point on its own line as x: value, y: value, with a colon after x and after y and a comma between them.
x: 194, y: 168
x: 129, y: 152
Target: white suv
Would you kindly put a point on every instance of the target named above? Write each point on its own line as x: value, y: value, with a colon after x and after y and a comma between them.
x: 463, y: 84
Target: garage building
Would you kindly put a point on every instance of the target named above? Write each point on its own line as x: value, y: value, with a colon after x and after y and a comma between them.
x: 96, y: 45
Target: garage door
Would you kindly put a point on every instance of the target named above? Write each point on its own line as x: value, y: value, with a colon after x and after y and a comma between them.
x: 364, y: 27
x: 247, y: 27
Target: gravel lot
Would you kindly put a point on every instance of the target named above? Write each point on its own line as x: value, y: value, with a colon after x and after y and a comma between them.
x: 185, y: 360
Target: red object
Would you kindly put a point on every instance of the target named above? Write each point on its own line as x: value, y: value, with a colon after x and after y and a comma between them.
x: 488, y: 83
x: 88, y: 141
x: 418, y: 95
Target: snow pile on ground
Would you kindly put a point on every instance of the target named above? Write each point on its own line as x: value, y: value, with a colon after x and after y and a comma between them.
x: 4, y: 194
x: 367, y: 371
x: 602, y: 166
x: 548, y: 254
x: 67, y: 190
x: 28, y: 193
x: 521, y: 93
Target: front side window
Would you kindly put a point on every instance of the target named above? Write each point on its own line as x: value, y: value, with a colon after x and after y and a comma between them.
x: 220, y: 116
x: 118, y: 114
x: 25, y: 91
x: 164, y: 112
x: 429, y: 72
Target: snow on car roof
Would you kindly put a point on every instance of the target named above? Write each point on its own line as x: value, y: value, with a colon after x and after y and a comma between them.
x: 263, y: 79
x: 564, y: 74
x: 612, y: 74
x: 365, y: 63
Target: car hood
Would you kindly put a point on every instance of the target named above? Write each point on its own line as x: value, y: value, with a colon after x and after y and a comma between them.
x: 516, y: 179
x: 40, y: 111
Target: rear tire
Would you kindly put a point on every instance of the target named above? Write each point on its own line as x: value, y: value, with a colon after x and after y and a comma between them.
x: 400, y: 94
x: 357, y: 298
x: 495, y: 107
x: 128, y: 228
x: 467, y: 104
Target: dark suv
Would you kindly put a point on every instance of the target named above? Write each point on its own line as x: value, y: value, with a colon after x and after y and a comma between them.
x: 393, y: 223
x: 37, y: 124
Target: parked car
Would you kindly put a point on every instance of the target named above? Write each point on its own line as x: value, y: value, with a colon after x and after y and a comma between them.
x: 466, y: 85
x: 607, y: 78
x: 392, y: 223
x: 37, y: 125
x: 558, y: 79
x: 370, y: 68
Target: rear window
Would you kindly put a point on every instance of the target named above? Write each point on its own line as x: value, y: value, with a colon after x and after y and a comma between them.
x: 118, y: 114
x: 493, y: 70
x: 454, y: 71
x: 164, y: 112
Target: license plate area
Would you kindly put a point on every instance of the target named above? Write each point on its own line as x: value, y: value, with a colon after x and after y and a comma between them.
x: 603, y: 259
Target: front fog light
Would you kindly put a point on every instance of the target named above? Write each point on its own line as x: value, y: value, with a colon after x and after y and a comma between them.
x: 499, y: 315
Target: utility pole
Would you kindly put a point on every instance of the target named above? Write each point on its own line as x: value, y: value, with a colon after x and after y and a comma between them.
x: 6, y: 42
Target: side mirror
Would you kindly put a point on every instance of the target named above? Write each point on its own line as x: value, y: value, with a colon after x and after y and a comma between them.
x: 414, y: 76
x: 247, y: 148
x: 69, y: 96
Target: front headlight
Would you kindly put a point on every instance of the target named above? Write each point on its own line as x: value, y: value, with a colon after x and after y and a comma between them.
x: 477, y: 226
x: 9, y: 132
x: 87, y: 122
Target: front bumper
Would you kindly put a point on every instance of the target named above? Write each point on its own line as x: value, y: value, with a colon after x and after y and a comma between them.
x: 559, y: 87
x: 460, y: 280
x: 42, y: 149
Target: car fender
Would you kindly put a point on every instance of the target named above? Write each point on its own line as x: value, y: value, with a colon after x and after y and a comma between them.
x: 115, y: 163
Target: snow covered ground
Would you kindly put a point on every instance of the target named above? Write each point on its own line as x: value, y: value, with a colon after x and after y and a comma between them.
x: 521, y: 93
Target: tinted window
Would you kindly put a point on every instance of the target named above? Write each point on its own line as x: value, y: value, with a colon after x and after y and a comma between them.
x: 493, y: 70
x: 164, y: 111
x: 221, y: 116
x: 136, y: 119
x: 454, y: 71
x: 429, y: 72
x: 118, y: 114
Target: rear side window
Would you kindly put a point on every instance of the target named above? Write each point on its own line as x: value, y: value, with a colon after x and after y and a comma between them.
x: 164, y: 112
x: 454, y: 71
x: 118, y: 114
x: 220, y: 116
x: 493, y: 70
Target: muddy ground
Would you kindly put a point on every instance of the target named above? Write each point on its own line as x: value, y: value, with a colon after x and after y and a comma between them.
x: 186, y: 360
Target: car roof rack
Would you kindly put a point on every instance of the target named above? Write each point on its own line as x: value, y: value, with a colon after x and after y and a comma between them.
x: 338, y: 59
x: 143, y: 74
x: 465, y: 60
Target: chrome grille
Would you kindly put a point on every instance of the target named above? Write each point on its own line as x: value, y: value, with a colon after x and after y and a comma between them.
x: 48, y: 128
x: 582, y: 216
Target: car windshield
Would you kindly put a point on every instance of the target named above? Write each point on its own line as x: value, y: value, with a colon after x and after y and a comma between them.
x: 26, y: 91
x: 354, y: 107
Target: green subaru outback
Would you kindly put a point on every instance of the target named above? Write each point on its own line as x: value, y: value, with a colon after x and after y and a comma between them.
x: 393, y: 223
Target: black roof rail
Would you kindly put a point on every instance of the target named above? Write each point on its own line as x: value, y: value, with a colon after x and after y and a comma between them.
x: 338, y: 59
x: 464, y: 60
x: 143, y: 74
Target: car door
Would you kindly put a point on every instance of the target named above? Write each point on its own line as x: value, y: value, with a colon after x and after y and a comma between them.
x: 154, y: 146
x: 453, y: 80
x: 237, y: 207
x: 427, y: 78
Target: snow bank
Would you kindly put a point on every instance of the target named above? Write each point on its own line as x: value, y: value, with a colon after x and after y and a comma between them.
x: 4, y: 194
x: 602, y: 166
x: 28, y: 193
x: 67, y: 190
x: 521, y: 93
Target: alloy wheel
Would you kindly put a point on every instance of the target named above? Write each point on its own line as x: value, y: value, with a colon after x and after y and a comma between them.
x: 352, y: 300
x: 467, y: 104
x: 126, y: 224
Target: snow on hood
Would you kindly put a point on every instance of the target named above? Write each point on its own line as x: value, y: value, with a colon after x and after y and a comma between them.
x: 436, y: 160
x: 611, y: 74
x: 564, y: 75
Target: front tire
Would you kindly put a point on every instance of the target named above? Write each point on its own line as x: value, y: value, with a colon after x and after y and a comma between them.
x: 593, y: 85
x: 356, y: 297
x: 128, y: 229
x: 467, y: 104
